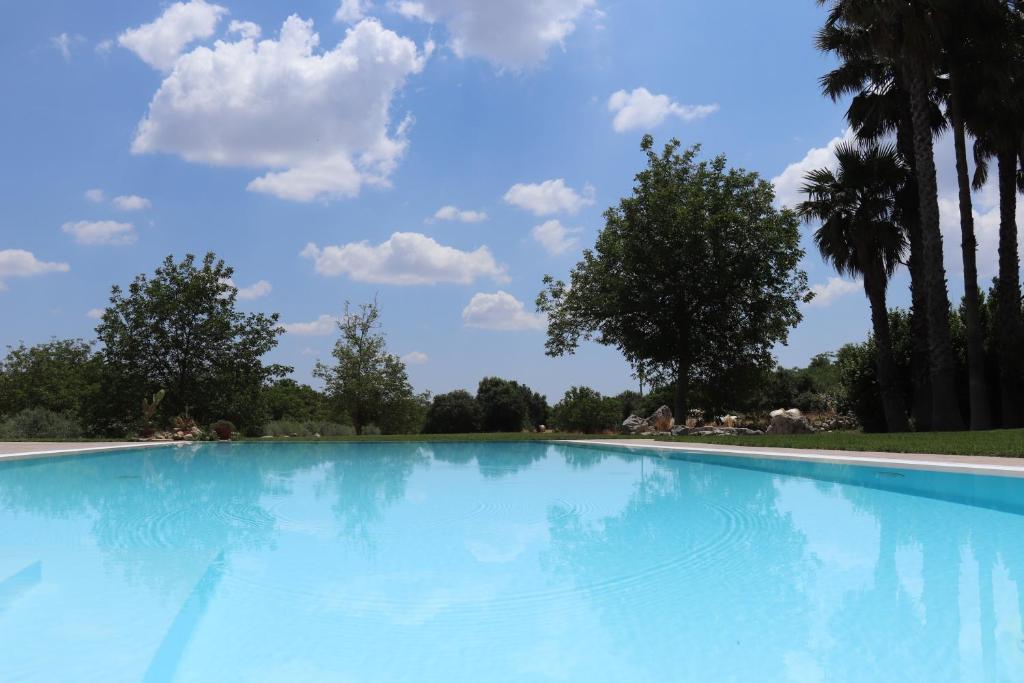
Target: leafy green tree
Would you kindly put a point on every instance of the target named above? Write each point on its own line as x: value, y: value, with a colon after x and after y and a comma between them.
x: 503, y: 405
x: 286, y: 399
x: 456, y: 412
x: 694, y: 275
x: 61, y: 375
x: 583, y: 409
x: 366, y: 382
x: 860, y: 235
x: 179, y: 330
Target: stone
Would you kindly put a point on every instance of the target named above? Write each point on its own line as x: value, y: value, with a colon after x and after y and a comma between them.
x: 662, y: 420
x: 730, y: 420
x: 790, y: 421
x: 680, y: 430
x: 633, y: 424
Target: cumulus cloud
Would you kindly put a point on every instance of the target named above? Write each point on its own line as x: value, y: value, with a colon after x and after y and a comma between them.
x: 644, y: 110
x: 131, y: 202
x: 95, y: 195
x: 94, y: 313
x: 351, y: 11
x: 555, y: 237
x: 550, y: 196
x: 453, y: 213
x: 256, y: 290
x: 101, y: 232
x: 246, y: 29
x: 321, y: 327
x: 160, y: 42
x: 787, y: 184
x: 415, y: 358
x: 317, y: 120
x: 500, y: 311
x: 406, y: 258
x: 508, y: 34
x: 21, y: 263
x: 826, y: 294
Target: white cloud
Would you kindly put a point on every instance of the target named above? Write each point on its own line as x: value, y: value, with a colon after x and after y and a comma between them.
x: 500, y: 311
x: 101, y: 232
x: 351, y: 11
x: 836, y: 287
x: 509, y: 34
x: 131, y: 202
x: 415, y: 358
x: 643, y: 109
x: 246, y: 29
x: 322, y: 326
x: 104, y: 47
x: 94, y: 313
x: 550, y: 196
x: 95, y: 195
x: 318, y: 120
x: 788, y: 183
x: 406, y: 258
x: 256, y: 290
x: 453, y: 213
x: 62, y: 43
x: 21, y: 263
x: 555, y: 237
x: 160, y: 42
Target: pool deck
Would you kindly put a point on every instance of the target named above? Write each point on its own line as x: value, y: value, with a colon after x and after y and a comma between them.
x: 965, y: 464
x: 25, y: 450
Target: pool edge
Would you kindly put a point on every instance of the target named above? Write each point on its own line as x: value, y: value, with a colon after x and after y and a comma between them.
x: 37, y: 450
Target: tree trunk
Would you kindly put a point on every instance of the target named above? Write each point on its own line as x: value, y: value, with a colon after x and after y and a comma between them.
x: 942, y: 362
x: 981, y: 414
x: 1008, y: 302
x: 920, y: 374
x: 680, y: 409
x: 892, y: 398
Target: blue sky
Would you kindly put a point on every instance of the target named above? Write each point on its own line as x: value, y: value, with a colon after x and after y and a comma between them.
x: 296, y: 139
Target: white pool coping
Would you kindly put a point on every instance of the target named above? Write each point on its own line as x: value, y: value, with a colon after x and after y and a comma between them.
x: 968, y: 464
x: 38, y: 449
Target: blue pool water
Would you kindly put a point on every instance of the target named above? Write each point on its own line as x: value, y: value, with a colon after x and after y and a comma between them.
x: 502, y: 562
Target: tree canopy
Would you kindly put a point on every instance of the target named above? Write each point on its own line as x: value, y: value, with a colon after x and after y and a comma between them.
x: 695, y: 274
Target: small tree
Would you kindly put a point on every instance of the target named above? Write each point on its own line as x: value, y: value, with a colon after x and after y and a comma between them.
x: 509, y: 406
x: 179, y: 330
x: 693, y: 276
x: 583, y: 409
x: 61, y: 375
x: 366, y: 382
x: 456, y: 412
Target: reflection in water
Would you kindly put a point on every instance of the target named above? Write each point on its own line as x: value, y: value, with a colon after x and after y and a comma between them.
x: 502, y: 562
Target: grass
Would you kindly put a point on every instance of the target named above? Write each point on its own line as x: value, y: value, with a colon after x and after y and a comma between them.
x: 997, y: 442
x: 484, y: 437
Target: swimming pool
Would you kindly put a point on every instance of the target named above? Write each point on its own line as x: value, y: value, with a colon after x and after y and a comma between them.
x: 502, y: 562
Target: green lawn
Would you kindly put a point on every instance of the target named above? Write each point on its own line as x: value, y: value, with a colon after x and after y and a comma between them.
x: 999, y: 442
x: 489, y: 436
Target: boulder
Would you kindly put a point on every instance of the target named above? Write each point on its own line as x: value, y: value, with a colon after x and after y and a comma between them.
x: 662, y: 420
x: 790, y: 421
x: 680, y: 430
x: 633, y: 424
x: 730, y: 420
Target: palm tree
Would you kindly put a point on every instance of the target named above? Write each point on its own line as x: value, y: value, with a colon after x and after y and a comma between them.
x: 998, y: 126
x: 860, y: 235
x: 966, y: 31
x: 879, y: 108
x: 902, y: 32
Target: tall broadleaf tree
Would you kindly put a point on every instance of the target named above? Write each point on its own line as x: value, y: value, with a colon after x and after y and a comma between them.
x: 860, y: 235
x: 694, y: 275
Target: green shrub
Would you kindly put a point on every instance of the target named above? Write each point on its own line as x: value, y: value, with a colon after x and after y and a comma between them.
x: 508, y: 406
x: 334, y: 429
x: 371, y: 430
x: 456, y: 412
x: 224, y: 429
x: 40, y: 423
x: 584, y: 410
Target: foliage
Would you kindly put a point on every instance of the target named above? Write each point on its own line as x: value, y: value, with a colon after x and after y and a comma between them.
x: 40, y: 423
x: 508, y: 406
x: 61, y: 376
x: 179, y: 330
x: 224, y: 429
x: 693, y: 275
x: 366, y: 382
x: 307, y: 428
x: 583, y: 409
x: 456, y: 412
x: 286, y: 399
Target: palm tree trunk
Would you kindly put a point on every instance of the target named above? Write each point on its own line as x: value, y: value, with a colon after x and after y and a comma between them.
x: 942, y: 362
x: 920, y: 374
x: 893, y: 405
x: 1008, y: 302
x: 981, y: 414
